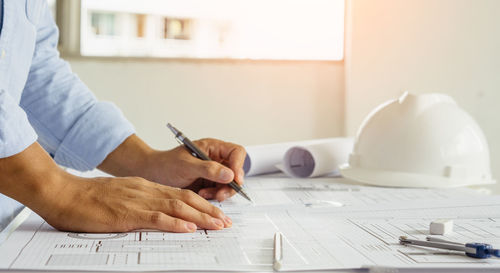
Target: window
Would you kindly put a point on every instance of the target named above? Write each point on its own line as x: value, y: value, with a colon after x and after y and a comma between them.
x: 52, y: 7
x: 236, y: 29
x: 102, y: 24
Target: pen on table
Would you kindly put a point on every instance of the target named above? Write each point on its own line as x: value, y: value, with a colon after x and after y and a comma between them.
x: 201, y: 155
x: 278, y: 250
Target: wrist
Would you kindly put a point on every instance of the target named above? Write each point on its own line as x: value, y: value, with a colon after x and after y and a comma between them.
x: 30, y: 177
x: 154, y: 166
x: 48, y: 191
x: 130, y: 158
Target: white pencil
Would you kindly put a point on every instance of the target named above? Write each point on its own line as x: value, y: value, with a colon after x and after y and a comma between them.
x: 278, y: 250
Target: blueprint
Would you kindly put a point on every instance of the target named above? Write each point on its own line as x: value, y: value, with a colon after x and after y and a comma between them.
x: 327, y: 223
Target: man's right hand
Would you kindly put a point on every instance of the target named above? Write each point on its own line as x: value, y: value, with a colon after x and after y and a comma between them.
x: 79, y: 204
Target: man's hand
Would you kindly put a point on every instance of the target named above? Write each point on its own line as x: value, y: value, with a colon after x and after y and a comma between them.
x: 178, y: 168
x: 124, y: 204
x: 72, y: 203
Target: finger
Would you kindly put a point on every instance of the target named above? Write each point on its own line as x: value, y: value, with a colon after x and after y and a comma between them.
x: 224, y: 193
x: 197, y: 202
x: 178, y: 209
x: 213, y: 171
x: 220, y: 193
x: 224, y: 151
x: 239, y: 176
x: 236, y: 158
x: 192, y: 201
x: 208, y: 193
x: 160, y: 221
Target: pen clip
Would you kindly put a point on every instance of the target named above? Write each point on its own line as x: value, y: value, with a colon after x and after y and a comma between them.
x: 179, y: 141
x: 182, y: 144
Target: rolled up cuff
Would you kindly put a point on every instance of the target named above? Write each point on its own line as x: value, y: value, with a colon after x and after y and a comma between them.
x: 95, y: 135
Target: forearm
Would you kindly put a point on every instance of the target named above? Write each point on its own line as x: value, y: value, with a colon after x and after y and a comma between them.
x: 72, y: 203
x: 31, y: 177
x: 131, y: 158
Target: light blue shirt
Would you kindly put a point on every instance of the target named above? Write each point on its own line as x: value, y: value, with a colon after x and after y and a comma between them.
x: 1, y: 14
x: 42, y: 100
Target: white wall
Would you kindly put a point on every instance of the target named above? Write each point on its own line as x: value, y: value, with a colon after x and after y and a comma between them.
x: 241, y: 101
x: 448, y: 46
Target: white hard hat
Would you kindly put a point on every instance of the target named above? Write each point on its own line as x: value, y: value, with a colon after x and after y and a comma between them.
x: 419, y: 141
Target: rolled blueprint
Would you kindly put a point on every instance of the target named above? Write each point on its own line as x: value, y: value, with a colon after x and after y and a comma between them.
x: 262, y: 159
x: 317, y: 159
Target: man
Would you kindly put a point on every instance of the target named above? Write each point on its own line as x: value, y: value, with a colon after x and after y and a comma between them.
x: 45, y: 108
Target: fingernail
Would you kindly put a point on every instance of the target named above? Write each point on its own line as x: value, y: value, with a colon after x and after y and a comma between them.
x: 228, y: 220
x: 226, y: 175
x: 226, y: 195
x: 240, y: 178
x: 218, y: 222
x: 191, y: 227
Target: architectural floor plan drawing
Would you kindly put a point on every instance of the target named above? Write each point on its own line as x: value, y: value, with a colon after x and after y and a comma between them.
x: 361, y: 232
x: 151, y: 250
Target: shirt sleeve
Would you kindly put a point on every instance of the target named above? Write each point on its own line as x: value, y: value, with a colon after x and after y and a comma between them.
x: 75, y: 128
x: 16, y: 133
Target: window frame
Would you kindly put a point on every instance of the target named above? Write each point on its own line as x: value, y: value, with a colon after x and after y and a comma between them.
x: 68, y: 19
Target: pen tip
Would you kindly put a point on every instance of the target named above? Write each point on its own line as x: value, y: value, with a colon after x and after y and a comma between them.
x: 246, y: 196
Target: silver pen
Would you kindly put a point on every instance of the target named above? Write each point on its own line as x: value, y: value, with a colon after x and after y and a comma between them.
x: 195, y: 151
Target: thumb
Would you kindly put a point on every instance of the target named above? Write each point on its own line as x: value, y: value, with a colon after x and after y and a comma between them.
x: 215, y: 172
